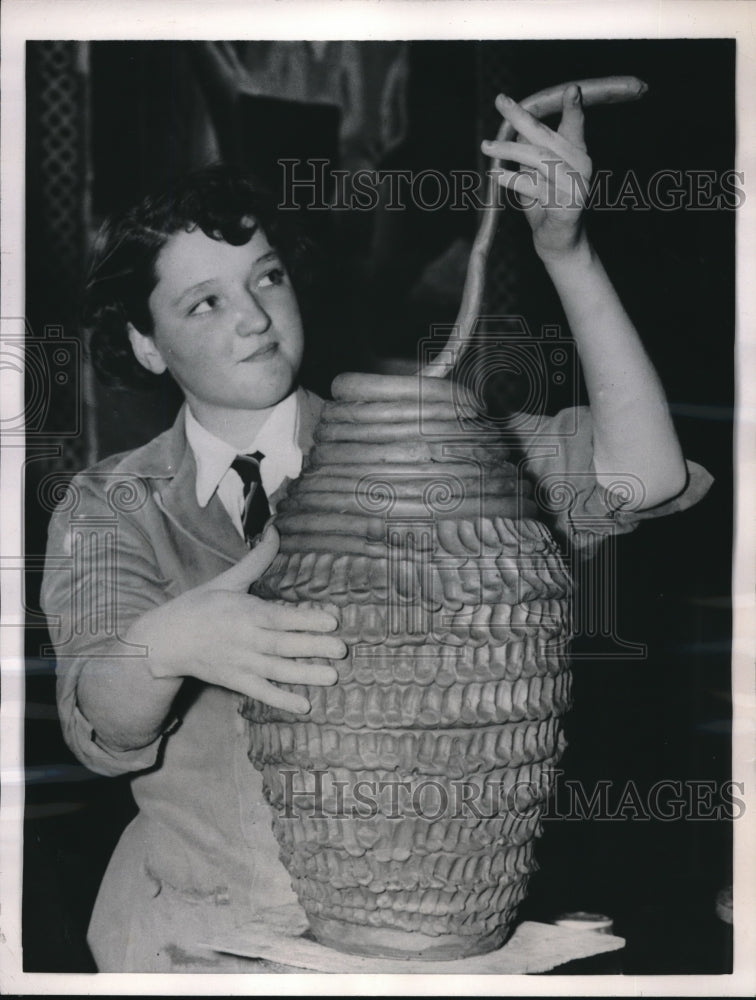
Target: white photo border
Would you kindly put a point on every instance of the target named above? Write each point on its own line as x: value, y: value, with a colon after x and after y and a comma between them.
x: 22, y: 20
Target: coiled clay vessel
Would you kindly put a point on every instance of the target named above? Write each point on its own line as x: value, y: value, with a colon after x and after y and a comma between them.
x: 406, y: 804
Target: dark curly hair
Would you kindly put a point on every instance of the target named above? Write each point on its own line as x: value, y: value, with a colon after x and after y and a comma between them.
x: 217, y: 199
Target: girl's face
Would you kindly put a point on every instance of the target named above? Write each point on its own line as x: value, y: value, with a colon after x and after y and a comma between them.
x: 226, y: 323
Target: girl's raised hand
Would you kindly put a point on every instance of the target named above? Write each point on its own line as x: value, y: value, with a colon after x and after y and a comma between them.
x: 555, y: 171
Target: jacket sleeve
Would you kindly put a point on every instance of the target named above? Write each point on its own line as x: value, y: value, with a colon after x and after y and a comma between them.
x: 558, y: 460
x: 100, y: 575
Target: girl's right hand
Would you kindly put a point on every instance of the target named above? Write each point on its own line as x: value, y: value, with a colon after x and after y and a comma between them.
x: 222, y: 635
x: 554, y: 175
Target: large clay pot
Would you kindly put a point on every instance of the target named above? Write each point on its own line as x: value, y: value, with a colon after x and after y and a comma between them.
x: 407, y: 802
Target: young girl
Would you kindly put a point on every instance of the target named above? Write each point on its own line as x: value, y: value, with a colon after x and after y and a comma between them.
x: 155, y: 649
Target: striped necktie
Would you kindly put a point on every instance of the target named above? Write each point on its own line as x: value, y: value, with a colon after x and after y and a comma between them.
x: 256, y: 508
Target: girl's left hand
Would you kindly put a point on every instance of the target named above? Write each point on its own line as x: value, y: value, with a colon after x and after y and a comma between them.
x: 558, y: 172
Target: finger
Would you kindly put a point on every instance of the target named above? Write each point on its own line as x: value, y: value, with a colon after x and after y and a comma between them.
x: 525, y: 123
x: 534, y: 131
x: 539, y: 157
x: 529, y: 171
x: 251, y: 675
x: 252, y: 566
x: 300, y: 644
x: 524, y: 186
x: 290, y: 617
x: 572, y: 125
x: 252, y: 626
x: 262, y: 690
x: 545, y: 159
x: 283, y: 671
x: 559, y: 176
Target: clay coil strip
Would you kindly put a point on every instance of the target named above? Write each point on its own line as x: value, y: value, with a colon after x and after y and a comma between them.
x: 388, y: 433
x: 333, y: 522
x: 443, y: 666
x: 474, y: 924
x: 430, y: 752
x: 341, y: 871
x: 372, y: 455
x: 340, y: 579
x: 310, y: 508
x: 313, y: 541
x: 453, y: 582
x: 423, y: 836
x: 478, y: 870
x: 346, y: 803
x: 492, y: 535
x: 357, y: 706
x: 433, y: 663
x: 352, y: 472
x: 408, y: 485
x: 355, y: 387
x: 370, y: 624
x: 487, y: 899
x: 396, y: 412
x: 495, y: 535
x: 347, y: 794
x: 527, y: 534
x: 500, y: 622
x: 439, y: 903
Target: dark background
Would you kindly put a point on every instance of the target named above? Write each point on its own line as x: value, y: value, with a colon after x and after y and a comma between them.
x: 664, y: 716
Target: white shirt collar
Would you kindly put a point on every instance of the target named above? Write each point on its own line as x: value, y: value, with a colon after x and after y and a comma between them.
x: 276, y: 439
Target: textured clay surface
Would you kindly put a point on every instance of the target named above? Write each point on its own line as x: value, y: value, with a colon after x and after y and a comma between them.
x: 410, y: 797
